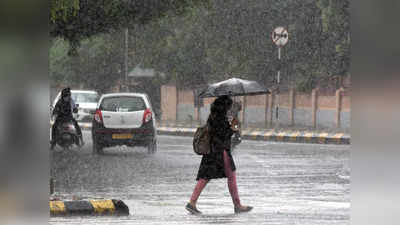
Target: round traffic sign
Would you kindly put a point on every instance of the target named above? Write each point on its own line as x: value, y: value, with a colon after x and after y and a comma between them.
x: 280, y: 36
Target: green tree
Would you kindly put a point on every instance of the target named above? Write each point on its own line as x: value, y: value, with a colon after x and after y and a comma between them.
x: 229, y: 38
x: 76, y: 20
x: 336, y: 26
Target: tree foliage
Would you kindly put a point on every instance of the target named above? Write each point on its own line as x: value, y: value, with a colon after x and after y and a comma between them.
x: 207, y: 43
x: 75, y: 20
x: 232, y: 38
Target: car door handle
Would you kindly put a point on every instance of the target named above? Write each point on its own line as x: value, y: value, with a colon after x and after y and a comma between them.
x: 107, y: 117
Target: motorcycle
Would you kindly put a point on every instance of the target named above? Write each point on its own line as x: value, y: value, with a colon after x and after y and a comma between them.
x: 236, y: 137
x: 235, y: 140
x: 66, y: 134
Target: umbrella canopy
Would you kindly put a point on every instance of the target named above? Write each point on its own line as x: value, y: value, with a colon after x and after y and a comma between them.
x: 234, y: 87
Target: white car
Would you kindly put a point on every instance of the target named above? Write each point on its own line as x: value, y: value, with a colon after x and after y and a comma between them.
x: 87, y: 101
x: 124, y: 119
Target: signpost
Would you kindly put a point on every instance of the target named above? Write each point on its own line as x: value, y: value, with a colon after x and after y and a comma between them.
x: 280, y: 37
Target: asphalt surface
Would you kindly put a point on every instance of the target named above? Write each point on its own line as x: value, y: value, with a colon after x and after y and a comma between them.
x: 286, y: 183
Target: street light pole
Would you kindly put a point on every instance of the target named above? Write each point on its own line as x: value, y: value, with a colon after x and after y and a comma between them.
x: 126, y: 59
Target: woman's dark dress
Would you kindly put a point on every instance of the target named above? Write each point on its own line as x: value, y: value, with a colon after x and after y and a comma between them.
x: 212, y: 165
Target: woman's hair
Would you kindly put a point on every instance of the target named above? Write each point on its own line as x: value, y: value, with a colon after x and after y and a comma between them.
x: 221, y: 105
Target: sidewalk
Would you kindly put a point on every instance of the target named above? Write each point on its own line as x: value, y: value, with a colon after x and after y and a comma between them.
x: 282, y: 135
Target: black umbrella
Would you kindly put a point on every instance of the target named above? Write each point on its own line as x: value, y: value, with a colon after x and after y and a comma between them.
x: 234, y: 87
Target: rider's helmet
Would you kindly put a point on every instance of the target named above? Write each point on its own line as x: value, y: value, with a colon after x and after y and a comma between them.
x: 66, y: 94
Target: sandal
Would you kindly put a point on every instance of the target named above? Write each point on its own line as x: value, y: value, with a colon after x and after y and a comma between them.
x: 191, y: 209
x: 243, y: 209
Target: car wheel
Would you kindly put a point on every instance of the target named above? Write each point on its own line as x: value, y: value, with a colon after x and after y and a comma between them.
x: 97, y: 148
x: 152, y: 147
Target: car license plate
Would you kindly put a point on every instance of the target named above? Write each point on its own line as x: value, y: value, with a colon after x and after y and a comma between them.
x: 122, y: 136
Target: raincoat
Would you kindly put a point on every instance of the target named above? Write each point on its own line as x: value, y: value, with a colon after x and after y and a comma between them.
x: 64, y: 109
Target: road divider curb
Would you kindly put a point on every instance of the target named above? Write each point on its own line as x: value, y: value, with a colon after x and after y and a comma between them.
x: 292, y: 136
x: 88, y: 207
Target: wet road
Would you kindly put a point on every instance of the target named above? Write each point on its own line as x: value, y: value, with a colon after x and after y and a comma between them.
x: 286, y: 183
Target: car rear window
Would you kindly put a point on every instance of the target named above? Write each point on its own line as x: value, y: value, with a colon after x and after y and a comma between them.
x: 122, y: 104
x: 85, y: 97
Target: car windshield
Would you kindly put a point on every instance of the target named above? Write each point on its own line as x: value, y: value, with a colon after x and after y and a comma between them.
x: 85, y: 97
x: 122, y: 104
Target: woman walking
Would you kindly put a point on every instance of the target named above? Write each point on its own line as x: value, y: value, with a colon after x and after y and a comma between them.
x: 219, y: 163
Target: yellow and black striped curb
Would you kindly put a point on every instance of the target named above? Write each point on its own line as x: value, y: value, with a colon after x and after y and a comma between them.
x: 293, y: 136
x: 88, y: 207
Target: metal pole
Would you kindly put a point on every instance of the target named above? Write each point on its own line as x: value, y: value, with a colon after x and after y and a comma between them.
x: 278, y: 80
x: 126, y: 59
x: 51, y: 186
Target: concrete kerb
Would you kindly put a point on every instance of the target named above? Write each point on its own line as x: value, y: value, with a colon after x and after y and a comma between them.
x: 111, y: 207
x: 181, y: 129
x: 176, y: 131
x: 85, y: 126
x: 284, y: 136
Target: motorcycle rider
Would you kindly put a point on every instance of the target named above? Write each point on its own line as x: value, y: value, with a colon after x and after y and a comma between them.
x: 62, y: 111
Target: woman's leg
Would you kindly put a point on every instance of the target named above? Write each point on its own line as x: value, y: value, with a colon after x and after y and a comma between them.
x: 201, y: 183
x: 233, y: 190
